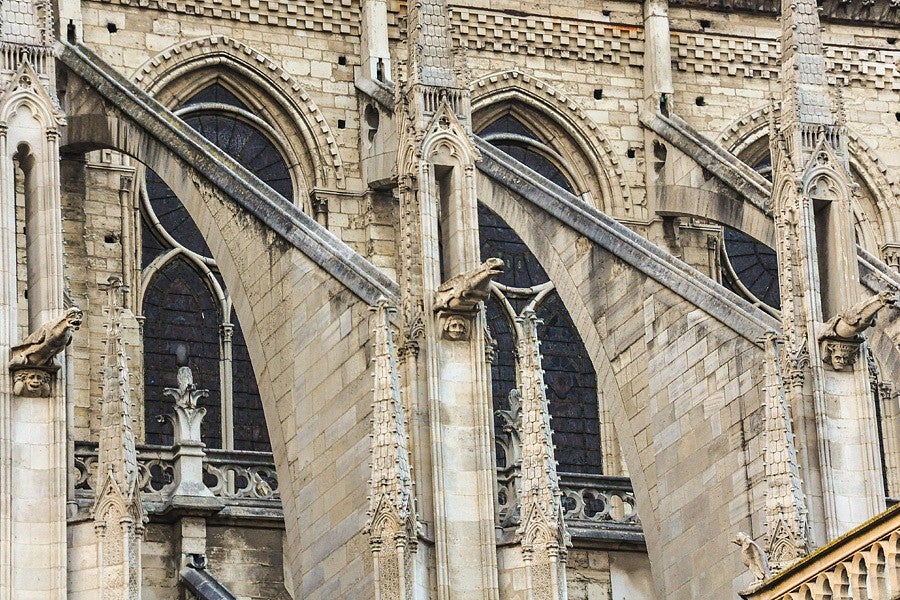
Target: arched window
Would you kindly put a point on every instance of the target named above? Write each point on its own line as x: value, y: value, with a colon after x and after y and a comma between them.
x: 186, y: 306
x: 568, y: 372
x: 510, y: 135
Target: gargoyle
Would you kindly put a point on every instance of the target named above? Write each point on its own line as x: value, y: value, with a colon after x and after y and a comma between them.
x: 849, y: 324
x: 39, y: 348
x: 461, y: 294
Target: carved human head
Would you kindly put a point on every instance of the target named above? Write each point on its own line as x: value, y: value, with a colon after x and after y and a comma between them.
x: 456, y: 328
x: 32, y: 383
x: 841, y: 355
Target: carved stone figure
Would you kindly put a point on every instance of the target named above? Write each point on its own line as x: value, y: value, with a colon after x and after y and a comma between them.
x: 461, y: 294
x: 186, y: 394
x: 839, y: 354
x: 31, y: 383
x: 456, y: 328
x: 39, y: 348
x: 842, y: 335
x: 753, y: 556
x: 849, y: 324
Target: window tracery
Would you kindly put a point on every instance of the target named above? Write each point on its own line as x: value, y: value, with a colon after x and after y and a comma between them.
x: 186, y: 306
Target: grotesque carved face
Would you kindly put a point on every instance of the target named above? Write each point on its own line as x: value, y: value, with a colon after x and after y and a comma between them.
x: 456, y: 328
x: 32, y: 383
x: 74, y: 317
x: 841, y: 355
x: 35, y: 380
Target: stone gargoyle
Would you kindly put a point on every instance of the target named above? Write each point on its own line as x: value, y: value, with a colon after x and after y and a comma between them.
x: 462, y: 293
x: 40, y: 347
x: 849, y: 324
x: 842, y: 334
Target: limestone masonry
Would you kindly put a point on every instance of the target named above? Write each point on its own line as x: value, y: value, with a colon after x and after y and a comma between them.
x: 449, y: 299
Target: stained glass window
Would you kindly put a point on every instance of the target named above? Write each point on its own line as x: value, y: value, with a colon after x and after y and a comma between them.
x: 179, y: 306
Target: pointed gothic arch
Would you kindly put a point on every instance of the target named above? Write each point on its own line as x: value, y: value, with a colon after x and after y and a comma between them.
x: 515, y: 90
x: 179, y: 72
x: 877, y: 208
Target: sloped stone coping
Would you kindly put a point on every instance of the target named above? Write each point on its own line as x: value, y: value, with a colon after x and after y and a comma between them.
x: 640, y: 253
x: 228, y: 176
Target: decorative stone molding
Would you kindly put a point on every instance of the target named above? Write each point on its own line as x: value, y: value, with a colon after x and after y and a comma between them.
x: 553, y: 102
x: 268, y: 75
x: 326, y: 16
x: 392, y: 523
x: 542, y: 528
x: 787, y: 534
x: 118, y: 513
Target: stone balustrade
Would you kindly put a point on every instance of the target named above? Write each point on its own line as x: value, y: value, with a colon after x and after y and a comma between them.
x: 863, y: 564
x: 595, y: 506
x: 237, y: 477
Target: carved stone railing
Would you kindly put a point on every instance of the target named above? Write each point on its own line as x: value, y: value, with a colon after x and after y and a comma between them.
x: 863, y: 564
x: 596, y: 507
x: 599, y: 500
x: 239, y: 478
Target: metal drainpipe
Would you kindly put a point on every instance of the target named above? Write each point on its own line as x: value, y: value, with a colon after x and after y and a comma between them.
x: 201, y: 582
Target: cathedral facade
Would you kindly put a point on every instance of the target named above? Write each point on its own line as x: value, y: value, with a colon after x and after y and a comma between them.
x: 448, y: 299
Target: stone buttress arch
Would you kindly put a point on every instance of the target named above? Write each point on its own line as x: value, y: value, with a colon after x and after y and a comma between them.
x: 160, y: 72
x: 514, y: 86
x: 301, y: 296
x: 635, y: 331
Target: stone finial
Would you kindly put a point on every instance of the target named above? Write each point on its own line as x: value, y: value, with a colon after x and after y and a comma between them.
x: 842, y: 335
x: 40, y: 348
x: 188, y: 416
x: 753, y: 556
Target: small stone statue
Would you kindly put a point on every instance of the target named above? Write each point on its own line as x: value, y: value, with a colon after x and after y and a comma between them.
x: 39, y: 348
x: 461, y: 294
x: 753, y: 556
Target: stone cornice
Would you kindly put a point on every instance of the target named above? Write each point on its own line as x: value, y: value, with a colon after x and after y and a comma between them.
x: 883, y: 13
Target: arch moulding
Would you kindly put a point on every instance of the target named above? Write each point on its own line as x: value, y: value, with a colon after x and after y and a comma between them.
x: 515, y: 86
x: 178, y: 61
x: 749, y: 129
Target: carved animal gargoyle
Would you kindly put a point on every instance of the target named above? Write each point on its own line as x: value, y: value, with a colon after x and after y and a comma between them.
x: 461, y: 294
x: 842, y: 335
x: 39, y: 348
x: 849, y: 324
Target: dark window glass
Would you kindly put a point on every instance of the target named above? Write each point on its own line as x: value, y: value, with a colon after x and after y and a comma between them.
x: 254, y: 151
x: 503, y: 131
x: 250, y: 431
x: 503, y: 369
x: 179, y: 309
x: 215, y: 93
x: 571, y: 389
x: 173, y: 216
x: 755, y: 264
x: 568, y: 372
